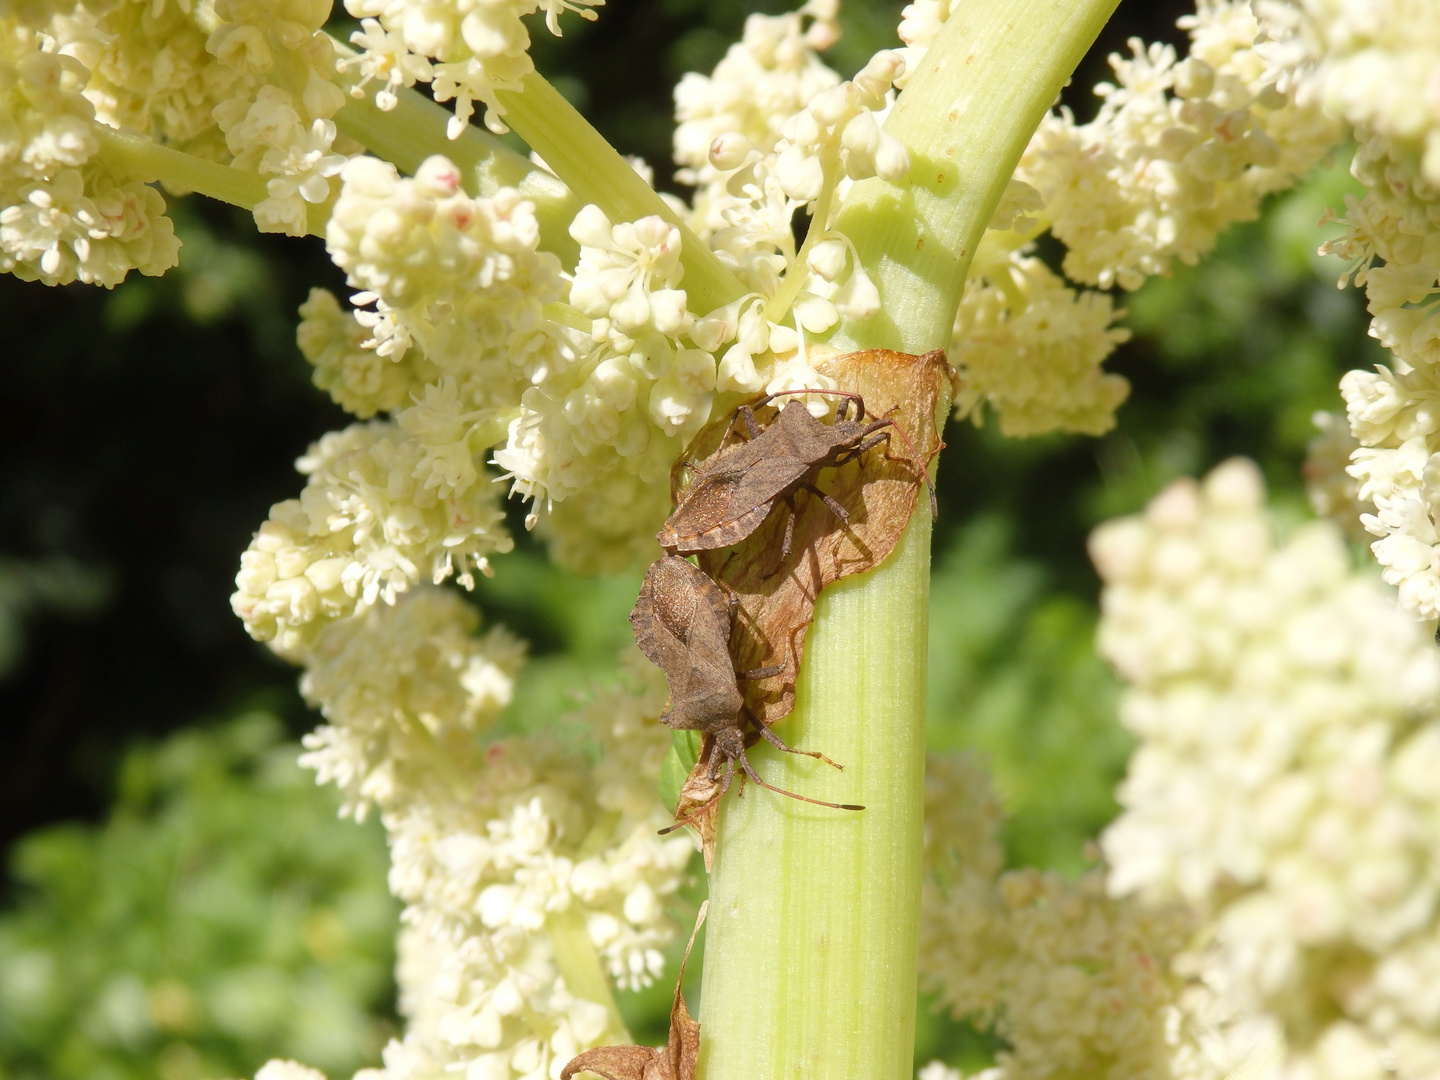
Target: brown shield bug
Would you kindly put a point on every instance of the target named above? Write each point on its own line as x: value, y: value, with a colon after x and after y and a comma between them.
x: 735, y: 489
x: 682, y: 623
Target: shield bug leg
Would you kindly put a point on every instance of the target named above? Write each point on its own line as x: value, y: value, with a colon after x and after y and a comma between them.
x: 692, y: 817
x: 745, y: 414
x: 774, y: 740
x: 916, y: 463
x: 745, y: 765
x: 789, y: 532
x: 763, y: 672
x: 835, y: 508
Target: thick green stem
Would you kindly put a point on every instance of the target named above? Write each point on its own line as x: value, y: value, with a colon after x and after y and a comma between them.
x: 597, y: 174
x: 810, y: 956
x: 965, y: 117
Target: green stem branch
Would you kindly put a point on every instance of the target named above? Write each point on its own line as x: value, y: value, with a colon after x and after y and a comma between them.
x: 597, y: 174
x: 580, y: 966
x: 810, y: 957
x: 966, y: 117
x: 151, y: 161
x: 778, y: 306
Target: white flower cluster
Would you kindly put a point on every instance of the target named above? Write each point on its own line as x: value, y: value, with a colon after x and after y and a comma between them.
x: 65, y: 215
x: 595, y: 441
x: 1030, y: 347
x: 251, y: 83
x: 399, y: 718
x: 1334, y: 493
x: 459, y: 279
x: 386, y: 505
x: 524, y: 866
x: 1077, y: 983
x: 467, y: 50
x: 1371, y: 63
x: 362, y: 380
x: 770, y: 131
x: 1178, y: 151
x: 456, y: 340
x: 1392, y: 243
x: 766, y: 78
x: 1289, y: 724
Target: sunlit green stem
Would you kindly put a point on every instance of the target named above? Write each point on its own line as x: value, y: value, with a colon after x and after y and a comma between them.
x: 810, y: 954
x: 580, y: 966
x: 151, y: 161
x: 597, y: 174
x: 965, y: 117
x: 810, y: 957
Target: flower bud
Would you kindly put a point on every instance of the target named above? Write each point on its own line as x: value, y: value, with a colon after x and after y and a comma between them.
x: 1194, y: 78
x: 892, y: 160
x: 730, y: 150
x: 858, y: 298
x: 827, y: 259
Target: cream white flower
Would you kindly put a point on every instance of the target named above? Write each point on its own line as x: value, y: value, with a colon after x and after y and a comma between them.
x: 272, y: 138
x: 468, y: 50
x: 370, y: 524
x: 361, y: 380
x: 620, y: 414
x: 1030, y: 348
x: 764, y: 79
x: 520, y: 861
x: 278, y: 1069
x: 1391, y: 410
x: 1373, y: 64
x: 1334, y: 493
x: 65, y: 215
x: 1286, y: 712
x: 258, y: 75
x: 461, y: 277
x: 1179, y: 151
x: 628, y: 272
x: 1076, y: 982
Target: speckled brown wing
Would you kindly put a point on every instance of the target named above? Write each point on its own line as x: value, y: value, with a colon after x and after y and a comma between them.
x: 735, y: 489
x: 681, y: 621
x: 659, y: 629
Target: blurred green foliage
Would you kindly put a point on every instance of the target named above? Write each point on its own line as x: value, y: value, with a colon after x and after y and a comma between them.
x: 223, y: 915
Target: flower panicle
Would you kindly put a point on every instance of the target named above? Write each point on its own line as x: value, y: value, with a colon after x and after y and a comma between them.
x: 524, y: 863
x: 1286, y: 712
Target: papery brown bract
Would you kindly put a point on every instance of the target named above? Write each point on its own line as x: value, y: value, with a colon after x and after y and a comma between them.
x: 674, y: 1061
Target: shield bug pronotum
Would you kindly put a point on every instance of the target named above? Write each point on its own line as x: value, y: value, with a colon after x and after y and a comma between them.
x: 735, y: 489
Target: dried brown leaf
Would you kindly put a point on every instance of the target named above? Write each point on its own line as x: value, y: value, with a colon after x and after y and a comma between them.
x: 699, y: 804
x: 674, y: 1061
